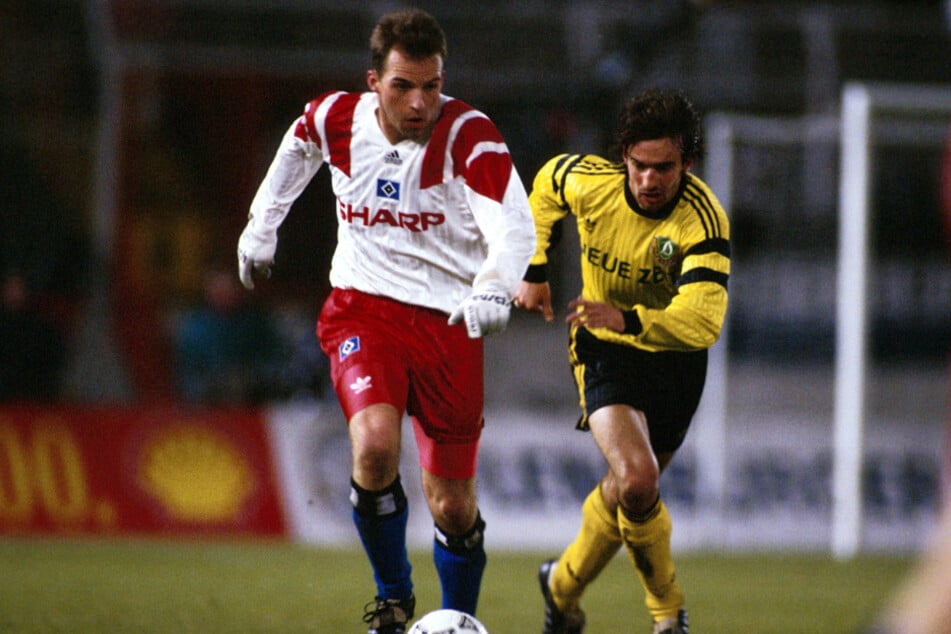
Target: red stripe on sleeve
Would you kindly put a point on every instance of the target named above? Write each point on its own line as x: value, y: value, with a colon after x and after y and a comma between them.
x: 435, y: 159
x: 306, y: 129
x: 489, y: 172
x: 339, y: 127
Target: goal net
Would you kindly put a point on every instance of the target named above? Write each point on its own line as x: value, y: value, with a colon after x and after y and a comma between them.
x: 841, y: 293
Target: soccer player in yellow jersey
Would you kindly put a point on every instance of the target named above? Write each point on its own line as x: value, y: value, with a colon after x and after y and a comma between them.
x: 655, y: 259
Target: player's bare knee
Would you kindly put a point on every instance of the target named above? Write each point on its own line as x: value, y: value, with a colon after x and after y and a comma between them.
x: 454, y: 514
x: 375, y: 465
x: 638, y: 490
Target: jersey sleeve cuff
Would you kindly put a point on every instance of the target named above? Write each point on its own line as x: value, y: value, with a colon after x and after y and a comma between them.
x: 536, y: 274
x: 632, y: 323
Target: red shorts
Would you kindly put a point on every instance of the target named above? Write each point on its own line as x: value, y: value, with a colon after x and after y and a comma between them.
x: 384, y: 351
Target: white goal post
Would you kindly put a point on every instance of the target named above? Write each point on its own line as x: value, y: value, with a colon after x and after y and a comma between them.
x: 724, y: 131
x: 862, y: 104
x: 869, y: 113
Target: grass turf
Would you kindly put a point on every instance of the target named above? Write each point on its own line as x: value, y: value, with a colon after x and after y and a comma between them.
x: 114, y: 587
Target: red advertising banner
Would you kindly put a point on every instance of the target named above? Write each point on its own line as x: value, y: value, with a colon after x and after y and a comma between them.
x: 75, y: 471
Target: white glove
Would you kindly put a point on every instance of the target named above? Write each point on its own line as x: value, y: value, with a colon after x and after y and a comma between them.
x: 255, y: 254
x: 484, y: 312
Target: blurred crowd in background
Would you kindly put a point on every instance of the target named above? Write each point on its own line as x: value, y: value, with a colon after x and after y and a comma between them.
x: 206, y: 89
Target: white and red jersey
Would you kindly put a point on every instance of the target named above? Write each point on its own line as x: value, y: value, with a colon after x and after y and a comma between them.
x: 425, y: 224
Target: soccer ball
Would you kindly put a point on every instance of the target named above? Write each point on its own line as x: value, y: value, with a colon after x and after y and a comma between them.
x: 447, y: 622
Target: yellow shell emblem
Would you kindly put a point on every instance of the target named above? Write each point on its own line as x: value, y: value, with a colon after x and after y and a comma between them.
x: 197, y: 474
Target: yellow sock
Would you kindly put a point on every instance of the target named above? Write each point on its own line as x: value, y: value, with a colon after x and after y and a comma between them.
x: 597, y: 542
x: 648, y: 545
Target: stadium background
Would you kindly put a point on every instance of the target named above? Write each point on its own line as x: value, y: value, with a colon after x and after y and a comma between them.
x: 135, y: 134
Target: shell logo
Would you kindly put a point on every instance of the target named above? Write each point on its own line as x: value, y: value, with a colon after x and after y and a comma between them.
x: 197, y: 474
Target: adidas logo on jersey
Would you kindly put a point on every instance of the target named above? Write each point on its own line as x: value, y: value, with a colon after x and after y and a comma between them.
x: 362, y: 384
x: 393, y: 158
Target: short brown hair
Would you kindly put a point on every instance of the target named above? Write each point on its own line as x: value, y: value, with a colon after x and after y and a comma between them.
x: 413, y: 30
x: 660, y: 114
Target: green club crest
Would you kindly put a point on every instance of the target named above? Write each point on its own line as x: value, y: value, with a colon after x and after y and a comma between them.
x: 665, y: 251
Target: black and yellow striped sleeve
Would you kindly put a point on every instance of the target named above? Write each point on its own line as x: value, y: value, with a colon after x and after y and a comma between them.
x: 695, y: 315
x: 549, y: 203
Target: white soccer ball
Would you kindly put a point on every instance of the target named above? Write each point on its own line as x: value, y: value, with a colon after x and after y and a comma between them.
x: 447, y: 622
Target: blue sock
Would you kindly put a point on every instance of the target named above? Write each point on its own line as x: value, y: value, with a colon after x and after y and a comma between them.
x: 459, y: 563
x: 380, y: 518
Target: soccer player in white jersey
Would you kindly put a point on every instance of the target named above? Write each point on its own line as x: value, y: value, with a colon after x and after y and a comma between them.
x: 434, y: 234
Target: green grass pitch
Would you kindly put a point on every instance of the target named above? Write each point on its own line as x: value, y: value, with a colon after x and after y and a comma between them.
x: 148, y: 586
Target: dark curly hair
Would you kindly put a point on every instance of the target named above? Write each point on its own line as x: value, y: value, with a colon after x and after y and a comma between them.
x: 659, y: 114
x: 413, y: 30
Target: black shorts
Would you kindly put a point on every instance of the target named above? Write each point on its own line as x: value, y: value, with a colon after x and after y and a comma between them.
x: 666, y: 386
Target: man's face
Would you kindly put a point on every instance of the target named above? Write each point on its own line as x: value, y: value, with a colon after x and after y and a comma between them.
x: 655, y: 169
x: 409, y: 91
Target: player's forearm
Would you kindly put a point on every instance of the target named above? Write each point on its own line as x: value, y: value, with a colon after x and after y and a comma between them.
x: 510, y: 236
x: 294, y: 165
x: 692, y: 321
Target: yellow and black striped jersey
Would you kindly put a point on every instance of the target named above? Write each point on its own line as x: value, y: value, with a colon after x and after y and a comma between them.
x: 672, y: 270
